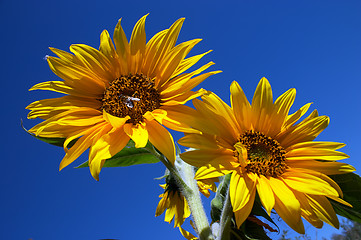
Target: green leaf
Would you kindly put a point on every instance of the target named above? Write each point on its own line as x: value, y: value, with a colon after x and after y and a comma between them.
x: 249, y: 230
x: 350, y: 184
x: 258, y: 210
x: 53, y: 141
x: 128, y: 156
x: 346, y: 211
x: 254, y: 231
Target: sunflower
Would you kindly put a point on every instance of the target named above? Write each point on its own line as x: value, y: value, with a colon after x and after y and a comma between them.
x: 174, y: 203
x: 267, y: 153
x: 126, y: 90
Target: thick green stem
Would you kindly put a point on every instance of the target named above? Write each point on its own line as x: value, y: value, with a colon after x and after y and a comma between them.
x: 195, y: 203
x: 189, y: 189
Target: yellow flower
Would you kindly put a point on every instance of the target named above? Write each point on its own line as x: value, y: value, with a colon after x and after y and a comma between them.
x: 174, y: 203
x: 267, y: 153
x: 126, y: 90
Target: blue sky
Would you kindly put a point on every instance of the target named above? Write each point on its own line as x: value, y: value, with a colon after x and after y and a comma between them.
x: 313, y: 46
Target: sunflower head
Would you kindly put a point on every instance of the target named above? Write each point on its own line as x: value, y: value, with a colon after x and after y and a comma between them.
x: 268, y: 152
x: 125, y: 90
x: 173, y: 203
x: 265, y: 156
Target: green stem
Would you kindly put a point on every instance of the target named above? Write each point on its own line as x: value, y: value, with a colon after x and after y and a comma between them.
x: 195, y: 204
x: 170, y: 167
x: 190, y: 191
x: 226, y: 217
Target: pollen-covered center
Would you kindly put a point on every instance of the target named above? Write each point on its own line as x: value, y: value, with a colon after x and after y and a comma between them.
x: 265, y: 156
x: 132, y: 96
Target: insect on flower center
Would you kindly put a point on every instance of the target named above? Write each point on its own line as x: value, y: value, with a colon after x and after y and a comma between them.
x: 265, y: 156
x: 132, y: 96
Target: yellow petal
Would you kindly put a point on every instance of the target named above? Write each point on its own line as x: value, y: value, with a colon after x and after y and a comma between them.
x: 217, y: 167
x: 281, y: 108
x: 161, y: 139
x: 64, y: 55
x: 317, y: 145
x: 169, y: 215
x: 212, y: 122
x: 186, y: 210
x: 291, y: 119
x: 242, y: 214
x: 337, y: 199
x: 104, y: 148
x: 223, y: 110
x: 324, y: 177
x: 166, y: 41
x: 305, y: 131
x: 265, y: 193
x: 122, y: 47
x: 328, y: 168
x: 82, y: 144
x: 242, y: 153
x: 47, y: 108
x: 162, y: 204
x: 204, y: 141
x: 77, y: 77
x: 323, y: 209
x: 116, y: 122
x: 286, y: 205
x: 183, y: 87
x: 107, y: 48
x: 262, y: 105
x: 307, y: 183
x: 187, y: 234
x: 210, y: 172
x: 137, y: 45
x: 138, y: 133
x: 202, y: 157
x: 315, y: 153
x: 189, y: 62
x: 94, y: 60
x: 240, y: 190
x: 172, y: 60
x: 152, y: 51
x: 183, y: 98
x: 178, y: 118
x: 307, y: 211
x: 62, y: 87
x: 240, y: 106
x: 157, y: 114
x: 174, y: 86
x: 76, y: 117
x: 185, y: 82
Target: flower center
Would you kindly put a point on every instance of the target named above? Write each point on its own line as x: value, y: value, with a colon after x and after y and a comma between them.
x: 265, y: 156
x: 172, y: 186
x: 132, y: 96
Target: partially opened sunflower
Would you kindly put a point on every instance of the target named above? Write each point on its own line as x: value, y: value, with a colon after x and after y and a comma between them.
x: 268, y: 154
x: 173, y: 203
x: 126, y: 90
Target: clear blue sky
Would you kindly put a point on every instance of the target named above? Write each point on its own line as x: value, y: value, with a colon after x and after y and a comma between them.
x: 313, y: 47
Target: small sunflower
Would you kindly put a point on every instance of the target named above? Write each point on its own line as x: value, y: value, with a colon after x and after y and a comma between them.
x: 174, y: 203
x: 268, y: 154
x: 126, y: 90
